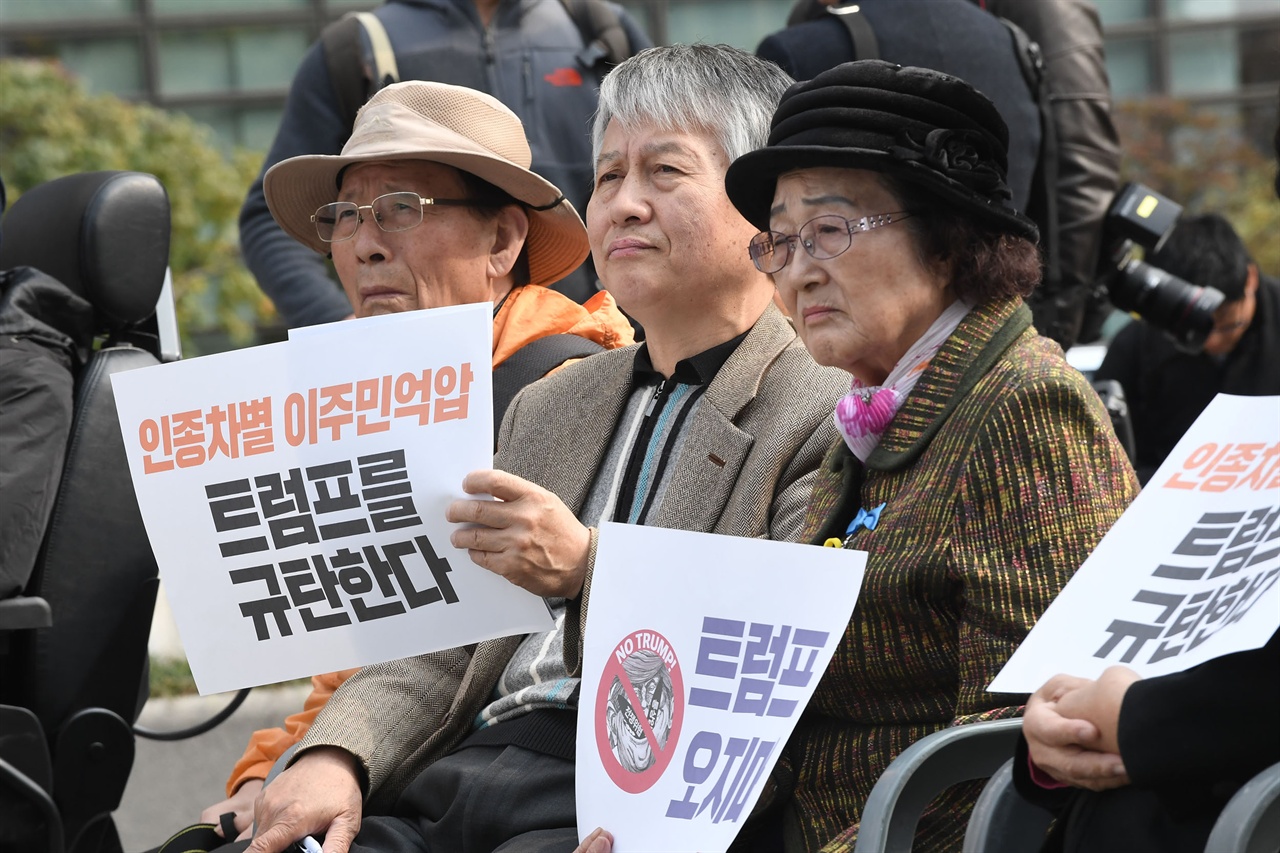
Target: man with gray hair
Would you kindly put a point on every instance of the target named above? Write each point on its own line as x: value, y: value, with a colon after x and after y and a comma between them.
x: 717, y: 423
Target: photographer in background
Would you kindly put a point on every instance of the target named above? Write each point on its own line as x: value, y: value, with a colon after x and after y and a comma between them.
x: 1168, y: 387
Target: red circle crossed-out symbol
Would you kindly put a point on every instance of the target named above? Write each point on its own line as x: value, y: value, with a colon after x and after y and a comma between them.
x: 630, y: 717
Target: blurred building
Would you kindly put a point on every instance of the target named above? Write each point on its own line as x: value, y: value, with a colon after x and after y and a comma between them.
x: 228, y: 62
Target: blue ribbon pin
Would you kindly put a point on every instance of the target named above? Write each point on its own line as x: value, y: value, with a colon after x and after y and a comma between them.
x: 865, y: 518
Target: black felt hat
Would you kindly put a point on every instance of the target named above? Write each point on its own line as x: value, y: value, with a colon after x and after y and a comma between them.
x: 926, y: 128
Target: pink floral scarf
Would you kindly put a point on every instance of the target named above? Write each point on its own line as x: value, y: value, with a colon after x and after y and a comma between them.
x: 863, y: 413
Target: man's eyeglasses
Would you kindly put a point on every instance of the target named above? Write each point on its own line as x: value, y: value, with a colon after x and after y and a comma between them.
x: 401, y: 211
x: 823, y: 237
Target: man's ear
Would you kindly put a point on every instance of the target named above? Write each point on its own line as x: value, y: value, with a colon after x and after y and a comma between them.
x: 512, y: 228
x: 1251, y: 281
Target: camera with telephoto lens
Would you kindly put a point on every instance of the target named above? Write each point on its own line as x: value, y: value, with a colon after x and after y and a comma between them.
x: 1140, y: 216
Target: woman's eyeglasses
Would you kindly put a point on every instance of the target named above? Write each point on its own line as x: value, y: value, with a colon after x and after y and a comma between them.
x: 823, y: 237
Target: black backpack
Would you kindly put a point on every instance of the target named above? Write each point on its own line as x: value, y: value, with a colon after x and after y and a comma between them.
x: 604, y: 40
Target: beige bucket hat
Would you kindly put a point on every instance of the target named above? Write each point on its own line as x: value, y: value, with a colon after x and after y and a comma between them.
x: 453, y: 125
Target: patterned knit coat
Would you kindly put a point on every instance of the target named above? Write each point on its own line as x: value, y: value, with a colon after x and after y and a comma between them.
x: 999, y: 475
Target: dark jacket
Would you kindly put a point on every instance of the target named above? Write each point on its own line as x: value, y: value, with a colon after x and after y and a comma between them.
x: 45, y: 334
x: 1189, y: 740
x: 526, y: 58
x: 1167, y: 389
x: 952, y: 36
x: 1069, y: 32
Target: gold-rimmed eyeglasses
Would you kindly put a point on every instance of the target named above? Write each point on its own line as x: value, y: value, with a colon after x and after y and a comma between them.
x: 823, y: 237
x: 398, y: 211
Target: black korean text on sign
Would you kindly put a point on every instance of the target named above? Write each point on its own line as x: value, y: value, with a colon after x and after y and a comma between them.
x: 1240, y: 548
x: 328, y: 502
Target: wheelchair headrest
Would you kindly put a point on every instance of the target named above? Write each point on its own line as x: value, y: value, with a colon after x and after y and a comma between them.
x: 103, y: 234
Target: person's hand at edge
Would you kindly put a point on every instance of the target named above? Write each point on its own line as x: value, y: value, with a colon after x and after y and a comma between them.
x: 1064, y: 744
x: 241, y: 804
x: 318, y: 795
x: 599, y: 841
x: 1099, y: 702
x: 527, y: 535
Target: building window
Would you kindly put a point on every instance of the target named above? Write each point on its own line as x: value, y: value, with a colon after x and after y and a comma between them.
x: 242, y: 60
x: 14, y: 11
x: 1178, y: 10
x: 1203, y: 61
x: 741, y: 23
x: 1130, y: 66
x: 1115, y: 12
x: 252, y: 128
x: 224, y: 7
x: 105, y: 65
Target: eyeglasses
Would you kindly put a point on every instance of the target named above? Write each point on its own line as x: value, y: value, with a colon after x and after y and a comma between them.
x: 401, y: 211
x: 823, y: 237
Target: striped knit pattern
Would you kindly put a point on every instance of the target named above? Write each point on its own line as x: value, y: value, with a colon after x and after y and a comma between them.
x: 537, y: 677
x: 1000, y: 474
x: 643, y: 446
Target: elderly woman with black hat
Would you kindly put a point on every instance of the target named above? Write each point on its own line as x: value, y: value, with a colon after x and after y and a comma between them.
x: 977, y: 468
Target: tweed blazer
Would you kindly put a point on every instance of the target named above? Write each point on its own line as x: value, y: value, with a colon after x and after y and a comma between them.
x: 751, y: 453
x: 999, y: 475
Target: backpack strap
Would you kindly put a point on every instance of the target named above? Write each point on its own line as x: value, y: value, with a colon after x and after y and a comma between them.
x: 865, y: 43
x: 344, y: 57
x: 341, y: 42
x: 603, y: 37
x: 530, y: 363
x: 385, y: 70
x: 1042, y: 206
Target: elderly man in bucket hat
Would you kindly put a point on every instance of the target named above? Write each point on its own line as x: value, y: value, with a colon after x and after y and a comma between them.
x: 431, y: 204
x: 716, y: 423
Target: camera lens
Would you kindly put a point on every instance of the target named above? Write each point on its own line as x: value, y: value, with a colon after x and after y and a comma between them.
x: 1183, y: 310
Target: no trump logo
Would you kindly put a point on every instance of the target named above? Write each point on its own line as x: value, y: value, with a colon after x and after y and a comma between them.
x: 639, y: 709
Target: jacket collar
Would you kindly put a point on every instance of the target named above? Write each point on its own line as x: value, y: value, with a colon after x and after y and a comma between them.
x: 738, y: 381
x: 977, y: 343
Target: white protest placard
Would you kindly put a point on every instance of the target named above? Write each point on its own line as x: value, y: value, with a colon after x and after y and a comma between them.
x: 369, y: 327
x: 1187, y: 574
x: 294, y: 495
x: 701, y: 652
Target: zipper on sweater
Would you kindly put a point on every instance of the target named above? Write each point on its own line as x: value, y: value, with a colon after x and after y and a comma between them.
x: 657, y: 395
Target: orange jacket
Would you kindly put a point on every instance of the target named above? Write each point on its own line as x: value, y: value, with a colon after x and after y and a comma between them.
x: 529, y: 313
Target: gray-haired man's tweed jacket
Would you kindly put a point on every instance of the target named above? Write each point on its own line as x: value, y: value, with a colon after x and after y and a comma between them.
x: 747, y: 466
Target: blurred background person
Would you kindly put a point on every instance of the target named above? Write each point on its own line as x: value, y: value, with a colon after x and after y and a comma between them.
x: 1168, y: 387
x: 1133, y: 765
x: 529, y: 54
x: 1054, y: 96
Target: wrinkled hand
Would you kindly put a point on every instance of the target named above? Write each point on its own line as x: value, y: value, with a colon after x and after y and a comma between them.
x: 527, y: 535
x: 599, y: 841
x: 318, y: 795
x: 241, y: 802
x: 1070, y: 725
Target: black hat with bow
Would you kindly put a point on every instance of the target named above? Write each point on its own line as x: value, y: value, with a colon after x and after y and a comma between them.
x: 926, y: 128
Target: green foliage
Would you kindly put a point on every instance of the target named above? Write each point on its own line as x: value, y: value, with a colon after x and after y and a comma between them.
x: 1202, y: 160
x: 50, y: 127
x: 171, y: 677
